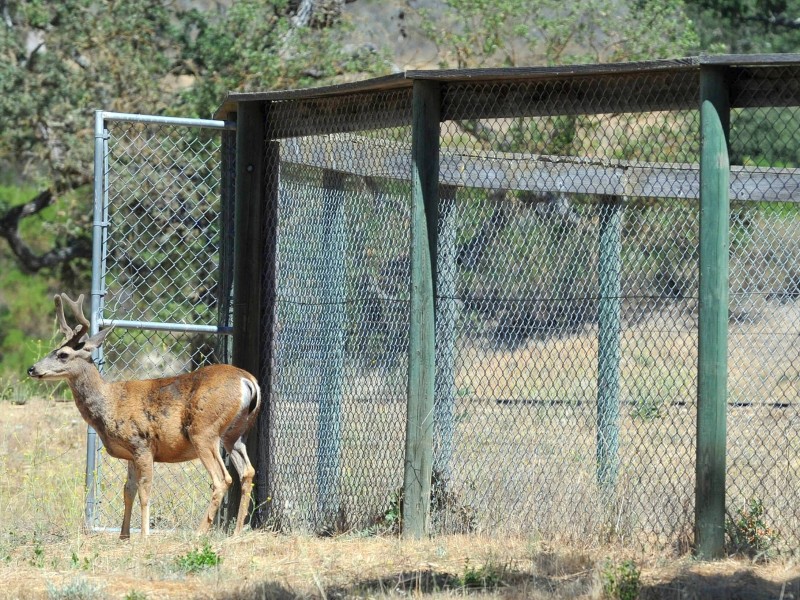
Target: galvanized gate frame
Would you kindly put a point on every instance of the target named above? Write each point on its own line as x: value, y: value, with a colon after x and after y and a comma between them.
x: 98, y: 320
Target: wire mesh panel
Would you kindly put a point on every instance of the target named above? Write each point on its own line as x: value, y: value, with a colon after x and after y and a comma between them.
x: 339, y: 365
x: 764, y: 356
x: 160, y: 273
x: 567, y: 310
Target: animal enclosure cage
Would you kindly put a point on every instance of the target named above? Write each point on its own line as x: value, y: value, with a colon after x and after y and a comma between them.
x: 478, y: 290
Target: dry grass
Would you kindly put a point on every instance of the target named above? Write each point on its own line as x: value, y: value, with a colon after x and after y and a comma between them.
x: 44, y: 553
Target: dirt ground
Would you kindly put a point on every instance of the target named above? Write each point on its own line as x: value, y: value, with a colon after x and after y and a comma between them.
x: 44, y: 553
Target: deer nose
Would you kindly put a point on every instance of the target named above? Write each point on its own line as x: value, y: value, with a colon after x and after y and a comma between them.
x: 31, y: 371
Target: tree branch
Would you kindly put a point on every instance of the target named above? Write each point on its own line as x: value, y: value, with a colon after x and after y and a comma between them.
x: 31, y: 262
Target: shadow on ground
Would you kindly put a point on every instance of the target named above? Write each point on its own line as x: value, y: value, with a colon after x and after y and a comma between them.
x: 738, y: 585
x: 513, y: 584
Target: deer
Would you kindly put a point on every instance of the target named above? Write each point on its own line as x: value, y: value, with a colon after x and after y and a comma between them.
x: 169, y: 420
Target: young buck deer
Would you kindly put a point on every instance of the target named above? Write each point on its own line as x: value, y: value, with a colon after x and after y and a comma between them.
x: 173, y: 419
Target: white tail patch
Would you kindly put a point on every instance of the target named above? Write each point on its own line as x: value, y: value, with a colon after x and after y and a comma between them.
x: 251, y: 395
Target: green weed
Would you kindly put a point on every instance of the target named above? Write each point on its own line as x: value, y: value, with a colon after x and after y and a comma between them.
x: 198, y: 560
x: 621, y: 581
x: 485, y: 577
x: 748, y: 533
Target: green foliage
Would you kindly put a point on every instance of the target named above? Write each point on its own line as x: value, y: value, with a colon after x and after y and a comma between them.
x: 746, y: 26
x: 77, y: 589
x: 45, y: 92
x: 765, y: 137
x: 621, y: 581
x: 748, y: 533
x: 77, y: 562
x: 199, y: 560
x: 135, y: 595
x: 37, y: 554
x: 63, y: 59
x: 256, y: 47
x: 512, y: 32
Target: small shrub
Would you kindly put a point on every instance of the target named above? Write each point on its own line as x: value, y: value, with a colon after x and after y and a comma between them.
x: 77, y: 589
x: 748, y: 533
x: 197, y: 560
x: 135, y: 595
x: 486, y: 577
x: 448, y: 513
x: 621, y: 581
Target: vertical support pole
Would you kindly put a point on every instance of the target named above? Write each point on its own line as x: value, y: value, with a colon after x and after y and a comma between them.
x: 258, y: 442
x: 608, y: 352
x: 422, y: 358
x: 99, y: 229
x: 713, y: 314
x: 446, y: 316
x: 331, y: 363
x: 248, y: 253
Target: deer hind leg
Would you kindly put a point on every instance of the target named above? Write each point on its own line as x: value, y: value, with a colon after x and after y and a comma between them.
x: 143, y: 467
x: 241, y: 461
x: 208, y: 453
x: 129, y: 494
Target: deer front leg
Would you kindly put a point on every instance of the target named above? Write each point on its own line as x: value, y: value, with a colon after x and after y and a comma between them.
x: 143, y: 466
x: 129, y: 493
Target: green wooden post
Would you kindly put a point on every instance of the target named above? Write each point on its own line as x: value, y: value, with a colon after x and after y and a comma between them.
x: 248, y: 253
x: 608, y: 353
x: 421, y: 360
x: 713, y: 315
x: 330, y: 366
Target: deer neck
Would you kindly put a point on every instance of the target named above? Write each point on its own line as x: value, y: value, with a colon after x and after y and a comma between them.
x: 90, y: 393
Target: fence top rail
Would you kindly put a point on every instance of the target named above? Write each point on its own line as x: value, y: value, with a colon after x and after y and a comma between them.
x: 162, y: 120
x: 405, y: 80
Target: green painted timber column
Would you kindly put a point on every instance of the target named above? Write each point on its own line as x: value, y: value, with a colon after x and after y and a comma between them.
x: 330, y: 363
x: 421, y: 357
x: 608, y: 351
x: 713, y: 315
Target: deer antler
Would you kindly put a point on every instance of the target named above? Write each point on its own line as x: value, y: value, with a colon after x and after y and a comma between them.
x: 77, y: 309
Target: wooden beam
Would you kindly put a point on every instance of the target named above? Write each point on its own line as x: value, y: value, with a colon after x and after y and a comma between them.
x: 371, y: 157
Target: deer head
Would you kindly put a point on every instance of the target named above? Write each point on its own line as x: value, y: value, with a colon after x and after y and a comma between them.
x: 76, y: 351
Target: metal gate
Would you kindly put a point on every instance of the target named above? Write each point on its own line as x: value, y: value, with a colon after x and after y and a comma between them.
x: 161, y: 273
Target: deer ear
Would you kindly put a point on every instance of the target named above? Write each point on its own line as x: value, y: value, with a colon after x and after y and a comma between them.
x: 96, y: 340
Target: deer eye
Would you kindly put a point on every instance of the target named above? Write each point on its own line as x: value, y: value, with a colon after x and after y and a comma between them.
x: 62, y: 355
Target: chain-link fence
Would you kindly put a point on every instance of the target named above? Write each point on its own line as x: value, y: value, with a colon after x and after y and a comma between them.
x: 339, y: 346
x: 567, y: 289
x: 567, y: 296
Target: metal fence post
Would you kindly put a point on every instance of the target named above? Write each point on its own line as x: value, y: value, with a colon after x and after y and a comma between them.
x: 713, y: 315
x: 331, y: 364
x: 99, y: 231
x: 608, y: 353
x: 248, y: 253
x: 422, y: 357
